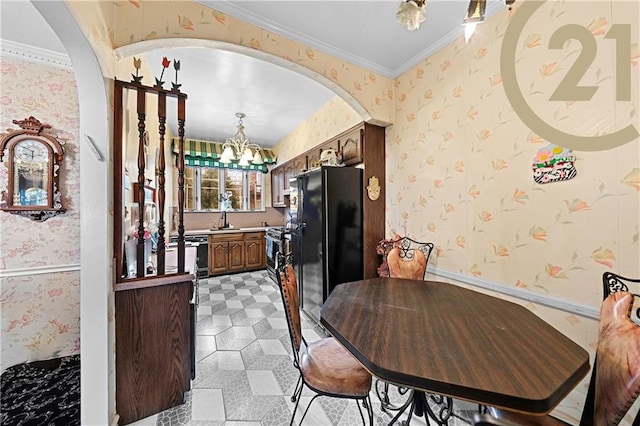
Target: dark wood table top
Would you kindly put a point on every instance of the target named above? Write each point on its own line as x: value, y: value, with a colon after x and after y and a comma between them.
x: 449, y: 340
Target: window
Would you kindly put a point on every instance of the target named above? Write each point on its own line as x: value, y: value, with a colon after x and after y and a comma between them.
x: 204, y: 185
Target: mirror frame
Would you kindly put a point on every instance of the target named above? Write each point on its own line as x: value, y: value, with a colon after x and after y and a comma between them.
x: 31, y: 129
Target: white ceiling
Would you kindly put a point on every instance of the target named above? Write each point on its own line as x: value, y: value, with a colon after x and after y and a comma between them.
x: 276, y: 100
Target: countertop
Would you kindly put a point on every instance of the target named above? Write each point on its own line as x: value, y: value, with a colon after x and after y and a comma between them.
x: 192, y: 232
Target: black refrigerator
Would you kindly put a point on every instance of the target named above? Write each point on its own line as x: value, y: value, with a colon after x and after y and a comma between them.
x: 327, y: 233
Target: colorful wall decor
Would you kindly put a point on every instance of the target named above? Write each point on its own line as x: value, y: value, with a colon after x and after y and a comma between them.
x: 553, y: 163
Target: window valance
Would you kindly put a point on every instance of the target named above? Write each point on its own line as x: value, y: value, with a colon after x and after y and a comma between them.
x: 207, y: 154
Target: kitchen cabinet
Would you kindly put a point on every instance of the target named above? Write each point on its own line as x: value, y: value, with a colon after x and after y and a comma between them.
x: 299, y: 164
x: 277, y: 187
x: 288, y: 174
x: 226, y: 253
x: 351, y: 147
x: 254, y: 250
x: 235, y: 251
x: 313, y: 158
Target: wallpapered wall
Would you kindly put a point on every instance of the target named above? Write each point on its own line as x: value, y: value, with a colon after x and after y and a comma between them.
x: 333, y: 118
x: 41, y: 311
x: 459, y: 166
x: 459, y: 162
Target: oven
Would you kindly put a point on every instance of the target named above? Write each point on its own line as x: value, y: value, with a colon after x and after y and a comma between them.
x: 276, y: 242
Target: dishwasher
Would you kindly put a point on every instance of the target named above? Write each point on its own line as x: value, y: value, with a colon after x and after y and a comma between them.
x: 202, y: 249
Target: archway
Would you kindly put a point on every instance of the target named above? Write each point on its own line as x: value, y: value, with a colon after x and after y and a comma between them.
x: 168, y: 43
x: 97, y: 389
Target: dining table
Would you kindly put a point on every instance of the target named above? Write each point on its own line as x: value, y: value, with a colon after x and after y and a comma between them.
x: 436, y: 338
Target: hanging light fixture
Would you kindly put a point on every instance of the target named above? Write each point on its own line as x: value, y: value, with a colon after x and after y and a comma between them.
x: 475, y: 15
x: 410, y: 13
x: 238, y: 148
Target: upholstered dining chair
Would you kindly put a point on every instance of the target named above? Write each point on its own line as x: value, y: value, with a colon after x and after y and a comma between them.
x: 615, y: 375
x: 612, y: 283
x: 325, y: 366
x: 405, y: 257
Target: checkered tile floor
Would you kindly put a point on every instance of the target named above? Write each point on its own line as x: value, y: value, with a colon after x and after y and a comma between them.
x: 244, y: 373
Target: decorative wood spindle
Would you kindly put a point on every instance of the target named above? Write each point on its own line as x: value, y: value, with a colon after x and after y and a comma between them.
x: 162, y: 116
x: 181, y: 118
x: 141, y: 182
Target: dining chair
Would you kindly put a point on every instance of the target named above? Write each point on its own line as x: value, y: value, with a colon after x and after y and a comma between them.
x: 325, y: 366
x: 405, y: 257
x: 612, y: 283
x: 615, y: 375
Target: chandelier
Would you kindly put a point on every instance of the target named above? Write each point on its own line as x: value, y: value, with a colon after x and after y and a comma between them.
x: 238, y: 148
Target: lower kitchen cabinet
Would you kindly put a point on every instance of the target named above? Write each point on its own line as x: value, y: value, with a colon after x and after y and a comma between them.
x: 254, y: 250
x: 235, y: 252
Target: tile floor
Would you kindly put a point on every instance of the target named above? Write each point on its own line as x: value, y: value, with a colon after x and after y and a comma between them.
x: 244, y: 373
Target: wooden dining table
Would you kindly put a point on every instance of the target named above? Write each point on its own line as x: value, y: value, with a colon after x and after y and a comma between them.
x: 439, y: 338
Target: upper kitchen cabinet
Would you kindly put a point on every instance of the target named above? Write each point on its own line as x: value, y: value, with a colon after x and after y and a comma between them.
x: 277, y: 186
x: 288, y: 174
x: 299, y: 164
x: 351, y: 146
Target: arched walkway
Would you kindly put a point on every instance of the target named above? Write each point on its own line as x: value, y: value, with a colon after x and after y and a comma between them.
x: 97, y: 390
x: 168, y: 43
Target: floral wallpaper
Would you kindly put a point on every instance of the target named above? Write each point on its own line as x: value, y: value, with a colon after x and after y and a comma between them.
x: 41, y: 311
x: 459, y: 165
x: 333, y: 118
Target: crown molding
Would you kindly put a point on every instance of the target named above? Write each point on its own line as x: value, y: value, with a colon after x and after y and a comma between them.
x: 449, y: 38
x: 35, y: 54
x: 233, y: 9
x: 236, y: 10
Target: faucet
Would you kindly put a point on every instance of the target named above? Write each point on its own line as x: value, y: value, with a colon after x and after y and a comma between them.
x: 223, y: 218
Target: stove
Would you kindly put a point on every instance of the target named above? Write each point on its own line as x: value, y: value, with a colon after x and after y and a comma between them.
x: 277, y: 241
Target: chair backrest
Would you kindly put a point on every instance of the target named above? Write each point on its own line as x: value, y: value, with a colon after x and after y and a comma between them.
x: 406, y: 258
x: 617, y: 370
x: 612, y: 283
x: 288, y: 285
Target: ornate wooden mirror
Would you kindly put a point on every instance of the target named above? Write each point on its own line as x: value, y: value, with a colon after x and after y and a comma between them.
x: 33, y: 170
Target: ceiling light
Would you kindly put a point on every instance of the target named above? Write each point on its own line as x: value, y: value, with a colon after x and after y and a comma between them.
x: 411, y: 13
x: 238, y: 148
x: 475, y: 15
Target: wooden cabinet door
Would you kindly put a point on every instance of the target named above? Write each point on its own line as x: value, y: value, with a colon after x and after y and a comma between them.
x: 236, y: 255
x: 313, y: 159
x: 253, y: 254
x: 288, y: 174
x: 277, y: 186
x: 218, y: 258
x: 332, y: 144
x: 351, y: 148
x: 299, y: 165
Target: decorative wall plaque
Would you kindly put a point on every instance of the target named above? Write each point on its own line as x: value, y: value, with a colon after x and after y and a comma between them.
x: 373, y: 189
x: 553, y: 164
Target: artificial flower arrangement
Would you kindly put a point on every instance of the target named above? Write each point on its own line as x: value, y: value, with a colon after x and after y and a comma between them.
x: 149, y: 230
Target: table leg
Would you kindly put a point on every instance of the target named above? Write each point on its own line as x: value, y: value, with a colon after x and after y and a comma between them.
x: 418, y: 404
